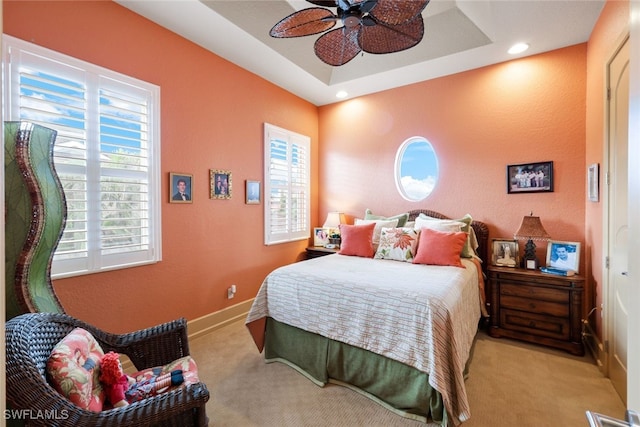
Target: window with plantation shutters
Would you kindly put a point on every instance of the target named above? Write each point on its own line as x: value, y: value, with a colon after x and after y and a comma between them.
x: 287, y: 185
x: 106, y: 153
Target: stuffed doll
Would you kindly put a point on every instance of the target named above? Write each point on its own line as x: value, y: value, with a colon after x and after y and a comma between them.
x: 122, y: 389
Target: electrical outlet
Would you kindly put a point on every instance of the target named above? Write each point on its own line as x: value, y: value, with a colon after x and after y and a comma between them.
x: 231, y: 291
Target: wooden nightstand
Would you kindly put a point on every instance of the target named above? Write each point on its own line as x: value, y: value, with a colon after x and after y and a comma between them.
x: 317, y: 251
x: 537, y: 307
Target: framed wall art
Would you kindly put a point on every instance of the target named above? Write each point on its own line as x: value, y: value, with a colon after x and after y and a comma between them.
x: 504, y: 252
x: 220, y: 183
x: 180, y: 185
x: 593, y: 182
x: 563, y: 255
x: 252, y: 192
x: 530, y: 177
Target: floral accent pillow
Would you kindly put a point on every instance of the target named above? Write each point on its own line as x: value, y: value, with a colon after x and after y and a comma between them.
x: 74, y: 369
x: 398, y: 244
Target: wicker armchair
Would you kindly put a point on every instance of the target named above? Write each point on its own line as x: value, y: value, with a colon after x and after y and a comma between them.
x: 29, y: 341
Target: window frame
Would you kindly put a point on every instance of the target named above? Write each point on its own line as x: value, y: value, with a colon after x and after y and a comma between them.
x: 294, y: 230
x: 95, y: 81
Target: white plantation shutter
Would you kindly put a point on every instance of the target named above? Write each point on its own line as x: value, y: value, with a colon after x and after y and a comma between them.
x: 107, y: 154
x: 287, y: 185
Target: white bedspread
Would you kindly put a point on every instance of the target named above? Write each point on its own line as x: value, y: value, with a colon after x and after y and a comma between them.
x: 424, y: 316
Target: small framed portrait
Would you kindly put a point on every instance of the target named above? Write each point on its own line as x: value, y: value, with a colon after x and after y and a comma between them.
x: 505, y: 252
x: 220, y: 182
x: 252, y: 192
x: 530, y: 177
x: 563, y: 255
x: 320, y: 236
x: 180, y: 185
x: 593, y: 182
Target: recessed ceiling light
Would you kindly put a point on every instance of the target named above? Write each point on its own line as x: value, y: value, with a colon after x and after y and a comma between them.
x: 518, y: 48
x: 341, y: 94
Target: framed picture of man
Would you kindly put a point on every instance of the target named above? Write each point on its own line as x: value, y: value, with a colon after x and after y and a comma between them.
x: 180, y: 185
x: 220, y: 182
x: 563, y: 255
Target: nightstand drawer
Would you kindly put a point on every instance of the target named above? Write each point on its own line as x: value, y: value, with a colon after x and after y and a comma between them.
x: 536, y: 292
x: 535, y: 324
x: 535, y: 306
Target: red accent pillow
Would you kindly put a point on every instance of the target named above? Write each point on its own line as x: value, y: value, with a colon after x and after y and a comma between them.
x: 440, y: 247
x: 357, y: 240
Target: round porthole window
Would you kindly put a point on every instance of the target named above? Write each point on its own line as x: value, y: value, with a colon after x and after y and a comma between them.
x: 416, y: 169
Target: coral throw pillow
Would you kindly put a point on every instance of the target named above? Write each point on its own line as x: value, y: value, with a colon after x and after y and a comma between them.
x: 73, y: 369
x: 440, y: 248
x: 357, y: 240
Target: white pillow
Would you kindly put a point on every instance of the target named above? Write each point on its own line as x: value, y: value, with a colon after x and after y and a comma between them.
x: 380, y: 223
x: 447, y: 225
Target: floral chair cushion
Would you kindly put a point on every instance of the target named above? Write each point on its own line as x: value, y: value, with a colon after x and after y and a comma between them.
x: 74, y: 368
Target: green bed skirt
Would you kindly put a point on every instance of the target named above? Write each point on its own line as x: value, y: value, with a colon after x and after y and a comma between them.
x: 398, y: 387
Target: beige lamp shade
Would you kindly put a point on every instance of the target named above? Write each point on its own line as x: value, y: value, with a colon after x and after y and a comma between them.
x: 334, y: 219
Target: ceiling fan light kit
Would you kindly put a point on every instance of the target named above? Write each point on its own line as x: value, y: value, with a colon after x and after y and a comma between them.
x: 372, y: 26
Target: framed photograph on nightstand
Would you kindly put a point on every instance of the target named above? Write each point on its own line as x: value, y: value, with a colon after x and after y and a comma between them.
x: 504, y: 252
x: 320, y: 236
x: 563, y: 255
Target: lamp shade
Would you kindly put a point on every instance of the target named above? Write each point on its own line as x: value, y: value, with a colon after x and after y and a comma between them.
x: 334, y: 219
x: 531, y: 229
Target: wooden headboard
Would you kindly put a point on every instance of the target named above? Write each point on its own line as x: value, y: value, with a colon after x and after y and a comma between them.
x: 480, y: 228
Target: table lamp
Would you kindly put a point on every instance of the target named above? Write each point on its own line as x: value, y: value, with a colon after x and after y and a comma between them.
x: 333, y: 221
x: 531, y: 229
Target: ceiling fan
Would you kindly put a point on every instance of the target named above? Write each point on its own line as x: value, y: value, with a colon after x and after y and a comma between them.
x: 372, y: 26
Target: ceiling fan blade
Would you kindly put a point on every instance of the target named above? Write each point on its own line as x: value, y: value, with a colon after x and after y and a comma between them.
x: 395, y: 12
x: 367, y: 5
x: 324, y: 3
x: 337, y: 47
x: 304, y: 22
x: 382, y: 38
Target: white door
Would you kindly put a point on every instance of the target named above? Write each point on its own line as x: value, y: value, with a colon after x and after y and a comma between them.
x: 618, y: 296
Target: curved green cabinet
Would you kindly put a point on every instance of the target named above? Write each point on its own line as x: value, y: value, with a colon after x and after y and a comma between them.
x: 35, y: 216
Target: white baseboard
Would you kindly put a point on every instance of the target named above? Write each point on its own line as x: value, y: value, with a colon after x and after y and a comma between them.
x: 204, y: 325
x: 218, y: 319
x: 595, y: 347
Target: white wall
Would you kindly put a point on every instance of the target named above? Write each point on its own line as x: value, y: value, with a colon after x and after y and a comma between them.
x: 633, y: 363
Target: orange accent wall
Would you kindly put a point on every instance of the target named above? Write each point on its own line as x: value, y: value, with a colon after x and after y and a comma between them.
x: 606, y: 37
x: 527, y: 110
x: 212, y: 117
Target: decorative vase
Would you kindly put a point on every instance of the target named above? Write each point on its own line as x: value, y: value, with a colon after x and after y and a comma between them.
x: 35, y: 216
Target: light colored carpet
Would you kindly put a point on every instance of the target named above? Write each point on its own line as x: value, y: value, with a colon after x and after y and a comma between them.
x: 510, y: 384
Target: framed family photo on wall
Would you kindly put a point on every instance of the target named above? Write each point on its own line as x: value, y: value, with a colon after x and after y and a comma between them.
x: 530, y: 177
x: 180, y: 185
x: 220, y: 182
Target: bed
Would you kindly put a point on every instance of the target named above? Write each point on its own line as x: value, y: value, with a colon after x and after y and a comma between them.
x: 399, y: 333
